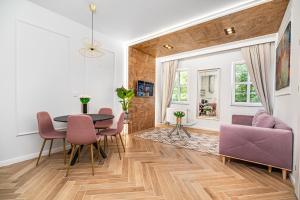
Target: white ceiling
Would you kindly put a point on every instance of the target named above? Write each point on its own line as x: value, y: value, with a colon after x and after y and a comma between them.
x: 130, y: 19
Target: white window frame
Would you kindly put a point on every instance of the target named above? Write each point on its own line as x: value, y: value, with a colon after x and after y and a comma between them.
x: 187, y: 84
x: 248, y: 83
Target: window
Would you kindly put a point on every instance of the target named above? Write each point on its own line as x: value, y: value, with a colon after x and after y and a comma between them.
x: 180, y: 87
x: 243, y: 92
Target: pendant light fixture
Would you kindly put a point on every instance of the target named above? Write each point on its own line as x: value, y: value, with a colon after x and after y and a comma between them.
x: 92, y: 48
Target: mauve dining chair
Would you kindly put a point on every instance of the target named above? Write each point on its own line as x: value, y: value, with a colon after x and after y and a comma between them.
x: 81, y: 132
x: 115, y: 132
x: 106, y: 123
x: 47, y: 132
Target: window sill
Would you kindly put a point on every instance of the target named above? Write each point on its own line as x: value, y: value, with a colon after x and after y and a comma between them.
x: 247, y: 105
x: 180, y: 103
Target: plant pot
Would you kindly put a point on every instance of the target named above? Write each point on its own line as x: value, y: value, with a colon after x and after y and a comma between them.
x: 84, y: 108
x: 178, y: 121
x: 126, y: 117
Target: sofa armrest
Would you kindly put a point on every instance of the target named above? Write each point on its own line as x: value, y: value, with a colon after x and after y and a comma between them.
x: 262, y: 145
x: 242, y: 120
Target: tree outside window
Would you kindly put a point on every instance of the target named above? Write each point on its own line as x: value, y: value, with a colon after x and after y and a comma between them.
x: 243, y: 92
x: 180, y: 87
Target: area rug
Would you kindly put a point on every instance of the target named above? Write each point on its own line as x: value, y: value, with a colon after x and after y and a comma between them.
x: 203, y: 143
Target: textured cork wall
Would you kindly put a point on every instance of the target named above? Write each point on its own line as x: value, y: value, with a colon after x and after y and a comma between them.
x: 141, y: 66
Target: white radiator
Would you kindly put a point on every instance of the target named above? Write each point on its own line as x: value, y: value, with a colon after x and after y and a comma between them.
x: 170, y: 118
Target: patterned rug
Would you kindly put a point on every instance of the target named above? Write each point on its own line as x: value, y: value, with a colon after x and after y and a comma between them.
x: 202, y: 143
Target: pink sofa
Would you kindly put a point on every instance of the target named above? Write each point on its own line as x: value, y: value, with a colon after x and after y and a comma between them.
x: 272, y: 147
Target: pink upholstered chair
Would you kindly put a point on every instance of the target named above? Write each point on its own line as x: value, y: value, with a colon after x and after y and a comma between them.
x: 47, y: 132
x: 80, y: 132
x: 115, y: 132
x: 106, y: 123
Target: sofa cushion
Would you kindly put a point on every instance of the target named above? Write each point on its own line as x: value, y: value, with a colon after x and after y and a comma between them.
x: 281, y: 125
x: 259, y: 112
x: 265, y: 121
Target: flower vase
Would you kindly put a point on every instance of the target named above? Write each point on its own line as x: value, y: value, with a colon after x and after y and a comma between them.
x: 126, y: 117
x: 85, y: 108
x: 178, y: 121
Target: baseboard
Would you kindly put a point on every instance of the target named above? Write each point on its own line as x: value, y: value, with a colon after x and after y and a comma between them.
x: 29, y: 156
x: 292, y: 179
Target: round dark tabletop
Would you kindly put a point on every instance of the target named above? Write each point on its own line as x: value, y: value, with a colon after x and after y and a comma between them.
x: 95, y: 117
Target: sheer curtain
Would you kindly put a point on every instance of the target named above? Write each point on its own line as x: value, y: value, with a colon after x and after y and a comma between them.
x: 259, y: 60
x: 168, y: 78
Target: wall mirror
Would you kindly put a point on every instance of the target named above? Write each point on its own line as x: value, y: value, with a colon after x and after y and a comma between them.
x: 208, y: 94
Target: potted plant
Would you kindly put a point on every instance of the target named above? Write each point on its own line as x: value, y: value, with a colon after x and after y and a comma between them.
x: 179, y: 115
x: 84, y: 101
x: 125, y: 96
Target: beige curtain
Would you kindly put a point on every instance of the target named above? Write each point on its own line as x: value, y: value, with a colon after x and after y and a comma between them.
x: 259, y: 60
x: 168, y: 77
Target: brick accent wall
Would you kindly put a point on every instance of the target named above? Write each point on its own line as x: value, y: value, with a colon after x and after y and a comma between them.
x: 141, y: 66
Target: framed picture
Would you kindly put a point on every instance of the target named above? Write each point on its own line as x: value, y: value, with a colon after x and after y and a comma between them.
x: 283, y: 54
x: 208, y: 94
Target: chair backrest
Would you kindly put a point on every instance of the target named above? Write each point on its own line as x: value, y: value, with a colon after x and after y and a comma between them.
x: 45, y: 125
x: 107, y: 111
x: 120, y: 124
x: 81, y: 130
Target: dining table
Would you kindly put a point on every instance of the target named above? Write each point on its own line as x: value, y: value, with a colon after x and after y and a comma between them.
x: 95, y: 118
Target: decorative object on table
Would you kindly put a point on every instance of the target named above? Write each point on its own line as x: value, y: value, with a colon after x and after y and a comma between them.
x: 92, y: 48
x: 125, y: 96
x: 179, y: 127
x: 208, y: 94
x: 283, y: 54
x: 84, y: 101
x: 203, y: 143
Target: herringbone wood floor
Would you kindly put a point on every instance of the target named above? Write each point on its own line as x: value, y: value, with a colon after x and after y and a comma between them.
x: 148, y: 170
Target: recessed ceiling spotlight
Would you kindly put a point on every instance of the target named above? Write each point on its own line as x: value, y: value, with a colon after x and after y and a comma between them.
x: 229, y: 31
x: 167, y: 46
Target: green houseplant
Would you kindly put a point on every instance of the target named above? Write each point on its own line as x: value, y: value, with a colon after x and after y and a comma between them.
x: 179, y: 115
x: 125, y: 96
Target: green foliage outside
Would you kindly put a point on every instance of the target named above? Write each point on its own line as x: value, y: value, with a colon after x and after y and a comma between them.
x: 241, y: 86
x: 180, y: 87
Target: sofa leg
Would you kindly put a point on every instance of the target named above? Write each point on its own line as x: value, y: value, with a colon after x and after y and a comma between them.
x: 223, y: 159
x: 284, y: 174
x: 270, y: 169
x: 228, y: 160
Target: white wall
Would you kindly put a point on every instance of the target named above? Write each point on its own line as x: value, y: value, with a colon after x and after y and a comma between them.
x: 285, y: 106
x: 95, y: 77
x: 222, y: 60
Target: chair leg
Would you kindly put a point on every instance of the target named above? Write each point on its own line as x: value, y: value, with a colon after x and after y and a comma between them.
x: 98, y: 149
x: 65, y: 155
x: 50, y: 147
x: 118, y: 147
x: 41, y: 152
x: 105, y: 143
x: 111, y: 138
x: 122, y: 142
x: 92, y: 158
x: 71, y: 157
x: 79, y: 151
